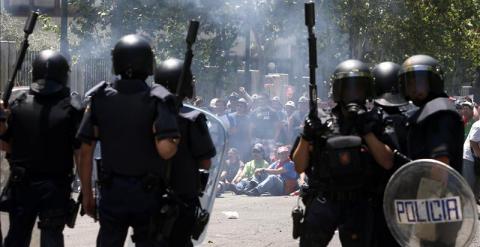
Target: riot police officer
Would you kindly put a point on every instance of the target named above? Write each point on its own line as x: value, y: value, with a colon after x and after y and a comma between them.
x: 195, y: 151
x: 138, y: 131
x: 434, y: 127
x: 388, y: 103
x: 40, y: 132
x: 337, y: 156
x: 435, y: 130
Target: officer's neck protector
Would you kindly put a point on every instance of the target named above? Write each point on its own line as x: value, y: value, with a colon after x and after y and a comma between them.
x: 130, y: 85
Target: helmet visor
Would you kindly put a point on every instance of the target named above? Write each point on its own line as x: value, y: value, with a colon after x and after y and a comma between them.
x: 416, y: 84
x: 354, y: 89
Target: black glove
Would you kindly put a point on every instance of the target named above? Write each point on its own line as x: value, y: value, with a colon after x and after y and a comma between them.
x: 366, y: 122
x: 203, y: 176
x: 312, y: 128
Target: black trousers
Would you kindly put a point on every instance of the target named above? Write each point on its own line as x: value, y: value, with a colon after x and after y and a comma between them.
x: 46, y: 199
x: 324, y: 216
x: 181, y: 234
x: 381, y: 235
x: 126, y: 203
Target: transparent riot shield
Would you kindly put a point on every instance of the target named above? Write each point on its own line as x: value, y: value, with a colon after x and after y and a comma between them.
x: 219, y: 136
x: 427, y: 203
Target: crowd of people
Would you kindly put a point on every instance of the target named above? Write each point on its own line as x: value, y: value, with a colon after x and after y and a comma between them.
x: 260, y: 130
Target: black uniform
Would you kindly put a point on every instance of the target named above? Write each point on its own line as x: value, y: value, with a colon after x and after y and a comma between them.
x: 389, y: 103
x: 41, y: 135
x: 341, y: 165
x: 132, y: 169
x: 394, y: 135
x: 195, y: 145
x: 435, y: 130
x: 341, y: 186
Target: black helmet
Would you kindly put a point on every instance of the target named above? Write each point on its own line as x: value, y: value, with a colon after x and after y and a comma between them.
x: 168, y: 74
x: 351, y: 82
x: 49, y: 72
x: 133, y: 58
x: 421, y: 72
x: 387, y: 91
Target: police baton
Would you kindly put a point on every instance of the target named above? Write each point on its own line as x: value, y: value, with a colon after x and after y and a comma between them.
x: 28, y: 29
x: 191, y: 38
x: 402, y: 157
x: 312, y: 57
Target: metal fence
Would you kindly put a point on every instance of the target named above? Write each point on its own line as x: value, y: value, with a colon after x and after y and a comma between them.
x: 84, y: 74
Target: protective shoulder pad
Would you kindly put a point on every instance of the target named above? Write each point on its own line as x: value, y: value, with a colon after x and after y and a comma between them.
x: 95, y: 89
x: 190, y: 114
x: 76, y: 101
x: 20, y: 98
x: 160, y: 92
x: 435, y: 106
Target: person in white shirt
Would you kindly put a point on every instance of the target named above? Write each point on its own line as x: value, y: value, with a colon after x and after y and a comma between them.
x: 471, y: 151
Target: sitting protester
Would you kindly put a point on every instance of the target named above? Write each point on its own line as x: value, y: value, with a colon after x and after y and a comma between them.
x: 232, y: 167
x: 280, y: 178
x: 245, y: 181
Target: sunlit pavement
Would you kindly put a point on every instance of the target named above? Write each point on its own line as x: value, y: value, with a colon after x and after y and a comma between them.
x: 262, y: 221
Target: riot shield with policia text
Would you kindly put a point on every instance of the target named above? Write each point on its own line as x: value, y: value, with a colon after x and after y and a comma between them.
x: 427, y: 203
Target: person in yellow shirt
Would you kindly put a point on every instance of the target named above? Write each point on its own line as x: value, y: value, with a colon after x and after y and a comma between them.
x: 245, y: 182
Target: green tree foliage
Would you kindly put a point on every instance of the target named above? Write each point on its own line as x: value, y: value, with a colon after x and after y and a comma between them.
x: 165, y: 23
x: 448, y: 30
x: 44, y: 37
x: 371, y: 30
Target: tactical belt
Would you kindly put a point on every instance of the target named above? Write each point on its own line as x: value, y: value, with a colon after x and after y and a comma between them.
x: 24, y: 175
x: 343, y: 195
x: 150, y: 181
x: 42, y: 176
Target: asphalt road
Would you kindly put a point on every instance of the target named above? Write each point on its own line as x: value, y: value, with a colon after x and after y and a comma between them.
x: 261, y: 222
